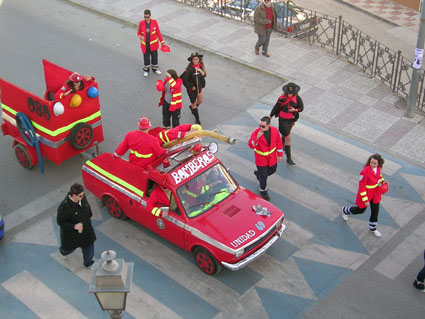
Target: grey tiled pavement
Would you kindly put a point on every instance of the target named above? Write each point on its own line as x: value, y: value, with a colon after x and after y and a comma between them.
x: 337, y: 94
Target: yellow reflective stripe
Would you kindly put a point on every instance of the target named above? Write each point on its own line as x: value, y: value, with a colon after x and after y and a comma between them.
x: 115, y: 178
x: 191, y: 194
x: 143, y: 42
x: 156, y: 211
x: 365, y: 199
x: 156, y: 40
x: 153, y: 32
x: 177, y: 94
x: 265, y: 153
x: 137, y: 154
x: 171, y: 82
x: 372, y: 186
x: 163, y: 136
x: 177, y: 102
x: 59, y: 130
x: 363, y: 193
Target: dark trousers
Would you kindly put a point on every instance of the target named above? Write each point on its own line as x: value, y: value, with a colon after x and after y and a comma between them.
x: 148, y: 61
x: 88, y: 254
x: 167, y: 115
x: 421, y: 274
x: 373, y: 220
x: 263, y: 173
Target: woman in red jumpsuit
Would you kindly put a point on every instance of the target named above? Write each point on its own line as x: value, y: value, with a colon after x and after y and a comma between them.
x: 369, y: 192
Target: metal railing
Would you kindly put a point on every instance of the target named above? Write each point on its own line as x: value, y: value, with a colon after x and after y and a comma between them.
x: 333, y: 33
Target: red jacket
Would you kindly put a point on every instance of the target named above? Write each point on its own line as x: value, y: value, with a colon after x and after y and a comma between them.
x: 368, y: 186
x: 157, y: 196
x: 176, y: 94
x: 144, y: 148
x: 265, y: 154
x: 179, y: 131
x: 155, y: 35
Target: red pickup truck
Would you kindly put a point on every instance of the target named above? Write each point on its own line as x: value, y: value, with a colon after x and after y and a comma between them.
x: 209, y: 214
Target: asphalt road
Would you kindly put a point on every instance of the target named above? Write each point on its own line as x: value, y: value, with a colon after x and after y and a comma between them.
x: 81, y: 41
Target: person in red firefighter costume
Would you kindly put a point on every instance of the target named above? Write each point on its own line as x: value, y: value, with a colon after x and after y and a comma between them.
x: 287, y: 108
x: 268, y: 150
x: 76, y: 82
x: 160, y: 195
x: 168, y: 135
x: 171, y: 99
x: 150, y: 36
x: 369, y: 192
x: 144, y: 148
x: 194, y: 81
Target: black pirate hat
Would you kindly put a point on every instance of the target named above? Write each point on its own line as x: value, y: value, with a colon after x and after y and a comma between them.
x: 291, y: 88
x: 195, y: 54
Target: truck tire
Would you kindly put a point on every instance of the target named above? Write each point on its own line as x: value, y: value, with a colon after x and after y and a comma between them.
x: 206, y: 261
x: 114, y: 208
x: 81, y: 136
x: 23, y: 157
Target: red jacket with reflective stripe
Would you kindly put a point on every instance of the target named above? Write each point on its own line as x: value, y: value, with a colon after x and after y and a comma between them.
x: 157, y: 196
x: 155, y: 35
x: 172, y: 134
x: 176, y: 94
x: 368, y: 186
x: 144, y: 148
x: 265, y: 154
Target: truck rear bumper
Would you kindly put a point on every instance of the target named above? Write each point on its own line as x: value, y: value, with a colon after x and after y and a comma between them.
x: 242, y: 263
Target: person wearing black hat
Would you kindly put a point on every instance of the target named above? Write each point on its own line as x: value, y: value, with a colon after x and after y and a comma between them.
x: 194, y: 81
x: 287, y: 109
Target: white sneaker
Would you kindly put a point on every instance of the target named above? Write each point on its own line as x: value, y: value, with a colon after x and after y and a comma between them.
x: 145, y: 74
x: 344, y: 215
x: 376, y: 233
x: 157, y: 72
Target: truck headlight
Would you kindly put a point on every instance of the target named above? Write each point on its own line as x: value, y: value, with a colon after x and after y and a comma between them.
x: 239, y: 253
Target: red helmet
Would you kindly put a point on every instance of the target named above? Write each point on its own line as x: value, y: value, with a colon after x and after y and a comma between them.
x: 196, y: 149
x: 144, y: 123
x: 75, y: 77
x: 165, y: 48
x: 159, y: 85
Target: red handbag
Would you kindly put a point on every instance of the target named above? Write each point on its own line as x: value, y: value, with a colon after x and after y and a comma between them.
x: 384, y: 187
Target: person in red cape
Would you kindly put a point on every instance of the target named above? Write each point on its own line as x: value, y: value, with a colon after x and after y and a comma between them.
x: 171, y: 99
x: 76, y: 82
x: 369, y: 192
x: 144, y: 148
x: 267, y: 146
x: 149, y: 36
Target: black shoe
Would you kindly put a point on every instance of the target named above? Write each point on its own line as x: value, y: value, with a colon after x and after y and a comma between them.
x: 265, y: 195
x: 419, y: 285
x: 290, y: 161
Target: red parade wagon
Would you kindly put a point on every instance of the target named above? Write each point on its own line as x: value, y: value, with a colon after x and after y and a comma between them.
x: 44, y: 127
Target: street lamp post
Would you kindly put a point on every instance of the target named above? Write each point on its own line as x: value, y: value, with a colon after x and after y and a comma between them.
x: 110, y: 282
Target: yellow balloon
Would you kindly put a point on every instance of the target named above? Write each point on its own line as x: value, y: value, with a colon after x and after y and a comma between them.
x: 75, y: 101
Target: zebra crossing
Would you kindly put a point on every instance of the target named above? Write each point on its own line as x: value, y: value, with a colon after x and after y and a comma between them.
x: 316, y: 253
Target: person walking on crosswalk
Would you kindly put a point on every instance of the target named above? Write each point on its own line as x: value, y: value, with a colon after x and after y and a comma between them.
x: 420, y: 278
x: 268, y: 150
x: 369, y: 192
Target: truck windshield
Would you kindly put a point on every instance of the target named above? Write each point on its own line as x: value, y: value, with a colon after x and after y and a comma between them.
x: 206, y: 190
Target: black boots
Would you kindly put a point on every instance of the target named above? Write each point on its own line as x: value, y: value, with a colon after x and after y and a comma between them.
x: 195, y: 114
x: 288, y: 155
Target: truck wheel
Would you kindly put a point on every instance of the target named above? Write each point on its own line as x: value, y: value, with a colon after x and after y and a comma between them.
x: 114, y: 208
x: 206, y: 262
x: 80, y: 136
x: 23, y: 157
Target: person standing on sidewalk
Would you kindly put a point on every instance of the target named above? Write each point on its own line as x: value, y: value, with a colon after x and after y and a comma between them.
x: 264, y: 23
x: 369, y: 192
x: 76, y: 231
x: 149, y: 35
x: 194, y: 81
x: 287, y: 108
x: 171, y: 99
x: 267, y: 146
x: 420, y: 279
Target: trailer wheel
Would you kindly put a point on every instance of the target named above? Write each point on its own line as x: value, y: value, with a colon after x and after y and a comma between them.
x: 114, y: 208
x: 206, y: 261
x: 81, y: 136
x: 23, y: 157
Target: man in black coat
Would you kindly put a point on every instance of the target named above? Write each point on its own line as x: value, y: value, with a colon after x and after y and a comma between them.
x: 73, y: 217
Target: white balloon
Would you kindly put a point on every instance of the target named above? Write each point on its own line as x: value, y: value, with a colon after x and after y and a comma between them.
x: 58, y: 108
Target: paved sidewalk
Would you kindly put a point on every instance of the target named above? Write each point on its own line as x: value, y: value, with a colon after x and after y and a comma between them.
x: 337, y: 94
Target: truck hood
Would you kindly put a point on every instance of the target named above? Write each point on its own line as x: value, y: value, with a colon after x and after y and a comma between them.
x: 234, y: 223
